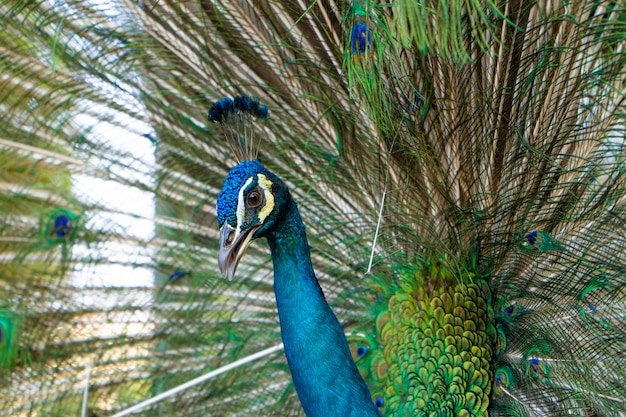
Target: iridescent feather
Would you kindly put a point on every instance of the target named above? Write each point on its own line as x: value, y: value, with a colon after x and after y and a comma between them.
x: 494, y: 131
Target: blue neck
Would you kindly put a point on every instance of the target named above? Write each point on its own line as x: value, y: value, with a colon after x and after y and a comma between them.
x: 324, y: 374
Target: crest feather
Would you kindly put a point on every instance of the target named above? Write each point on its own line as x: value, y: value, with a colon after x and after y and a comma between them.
x: 236, y: 120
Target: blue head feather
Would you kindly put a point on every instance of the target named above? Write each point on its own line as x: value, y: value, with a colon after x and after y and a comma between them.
x: 220, y: 110
x: 251, y: 106
x: 234, y: 117
x: 229, y: 197
x: 240, y: 105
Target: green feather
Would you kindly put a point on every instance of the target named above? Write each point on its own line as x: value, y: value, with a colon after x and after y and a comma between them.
x: 9, y: 339
x: 438, y: 338
x: 480, y: 122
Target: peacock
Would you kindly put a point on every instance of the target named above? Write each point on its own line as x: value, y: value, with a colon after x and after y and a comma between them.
x: 419, y: 208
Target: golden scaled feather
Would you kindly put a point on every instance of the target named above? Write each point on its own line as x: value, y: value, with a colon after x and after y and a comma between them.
x: 495, y: 131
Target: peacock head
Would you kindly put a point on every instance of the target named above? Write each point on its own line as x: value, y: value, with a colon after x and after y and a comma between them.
x: 247, y: 208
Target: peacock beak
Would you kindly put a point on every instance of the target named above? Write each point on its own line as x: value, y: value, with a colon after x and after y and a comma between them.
x: 232, y: 248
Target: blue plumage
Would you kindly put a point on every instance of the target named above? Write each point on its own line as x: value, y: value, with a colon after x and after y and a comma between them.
x: 240, y: 105
x: 324, y: 374
x: 221, y: 109
x: 470, y: 143
x: 228, y: 199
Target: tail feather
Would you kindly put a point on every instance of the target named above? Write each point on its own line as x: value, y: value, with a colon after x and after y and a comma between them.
x: 495, y: 132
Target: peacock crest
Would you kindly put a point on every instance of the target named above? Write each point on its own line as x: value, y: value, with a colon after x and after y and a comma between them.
x: 235, y: 118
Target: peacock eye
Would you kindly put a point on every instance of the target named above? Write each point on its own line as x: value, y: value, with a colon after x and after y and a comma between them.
x: 379, y: 401
x: 253, y: 199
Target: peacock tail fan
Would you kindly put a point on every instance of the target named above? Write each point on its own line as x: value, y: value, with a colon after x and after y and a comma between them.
x: 490, y: 133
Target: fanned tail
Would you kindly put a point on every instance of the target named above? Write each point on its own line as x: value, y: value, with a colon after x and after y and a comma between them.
x: 494, y: 130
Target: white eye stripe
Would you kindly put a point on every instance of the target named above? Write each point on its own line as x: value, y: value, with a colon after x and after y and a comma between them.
x: 266, y: 186
x: 241, y: 207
